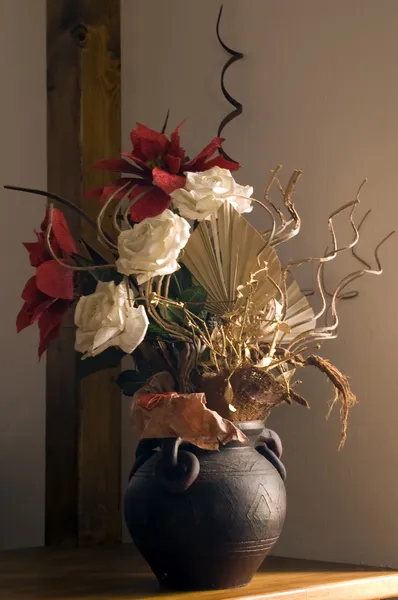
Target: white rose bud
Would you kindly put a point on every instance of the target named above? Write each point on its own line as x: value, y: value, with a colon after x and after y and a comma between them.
x: 205, y: 192
x: 108, y: 318
x: 152, y: 246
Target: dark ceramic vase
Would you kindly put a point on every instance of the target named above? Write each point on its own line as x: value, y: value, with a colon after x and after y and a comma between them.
x: 206, y: 519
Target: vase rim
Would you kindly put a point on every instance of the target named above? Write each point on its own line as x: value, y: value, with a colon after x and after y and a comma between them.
x: 250, y: 425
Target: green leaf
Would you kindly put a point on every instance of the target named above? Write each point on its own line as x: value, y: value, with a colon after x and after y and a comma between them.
x: 82, y: 261
x: 105, y: 274
x: 111, y: 357
x: 194, y: 298
x: 180, y: 280
x: 130, y: 381
x: 172, y: 314
x: 154, y: 331
x: 87, y: 280
x: 109, y: 274
x: 97, y: 259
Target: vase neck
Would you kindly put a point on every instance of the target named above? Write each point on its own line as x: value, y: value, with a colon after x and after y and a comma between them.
x: 252, y: 430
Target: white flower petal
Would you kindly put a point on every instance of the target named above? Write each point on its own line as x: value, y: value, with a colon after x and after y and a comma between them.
x: 107, y: 318
x: 84, y: 340
x: 204, y: 193
x: 135, y: 331
x: 152, y: 247
x: 104, y: 335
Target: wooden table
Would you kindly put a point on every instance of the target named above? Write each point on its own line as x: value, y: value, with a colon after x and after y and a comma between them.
x: 104, y: 574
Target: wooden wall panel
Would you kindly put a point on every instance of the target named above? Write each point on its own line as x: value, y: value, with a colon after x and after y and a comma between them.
x: 83, y: 419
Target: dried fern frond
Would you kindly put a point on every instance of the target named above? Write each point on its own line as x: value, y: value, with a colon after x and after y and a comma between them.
x: 298, y: 398
x: 341, y: 384
x: 223, y: 253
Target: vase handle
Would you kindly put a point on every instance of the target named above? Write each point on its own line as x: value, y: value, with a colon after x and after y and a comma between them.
x: 145, y: 450
x: 177, y: 469
x: 269, y: 445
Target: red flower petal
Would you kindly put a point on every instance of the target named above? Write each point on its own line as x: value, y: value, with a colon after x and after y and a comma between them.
x: 30, y: 291
x: 136, y: 141
x: 118, y: 165
x: 105, y: 192
x: 110, y: 164
x: 55, y: 280
x: 175, y: 145
x: 49, y: 324
x: 94, y: 193
x: 44, y: 224
x: 137, y: 190
x: 197, y: 163
x: 24, y: 318
x: 109, y: 190
x: 166, y: 181
x: 61, y: 232
x: 38, y: 252
x: 151, y: 204
x: 173, y: 163
x: 142, y: 132
x: 42, y: 307
x: 223, y: 163
x: 148, y: 144
x: 151, y: 149
x: 30, y: 312
x: 142, y: 168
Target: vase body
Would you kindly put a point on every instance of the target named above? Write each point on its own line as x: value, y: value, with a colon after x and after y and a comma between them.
x: 215, y: 531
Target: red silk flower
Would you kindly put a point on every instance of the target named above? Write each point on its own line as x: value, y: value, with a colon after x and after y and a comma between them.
x: 49, y: 293
x: 155, y: 168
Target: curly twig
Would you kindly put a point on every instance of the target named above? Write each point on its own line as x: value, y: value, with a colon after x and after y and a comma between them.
x: 238, y: 108
x: 329, y: 332
x: 281, y: 235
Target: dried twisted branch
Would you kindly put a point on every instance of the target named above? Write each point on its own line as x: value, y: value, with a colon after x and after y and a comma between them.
x: 328, y: 332
x: 287, y: 228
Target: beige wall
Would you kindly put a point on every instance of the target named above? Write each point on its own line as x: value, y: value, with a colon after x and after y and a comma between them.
x: 320, y: 92
x: 22, y: 161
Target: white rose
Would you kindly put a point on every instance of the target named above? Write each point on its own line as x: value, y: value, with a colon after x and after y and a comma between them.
x: 204, y: 193
x: 152, y: 246
x: 108, y: 318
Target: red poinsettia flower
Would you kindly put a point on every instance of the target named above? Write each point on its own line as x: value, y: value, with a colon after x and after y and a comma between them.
x: 155, y: 168
x: 49, y: 293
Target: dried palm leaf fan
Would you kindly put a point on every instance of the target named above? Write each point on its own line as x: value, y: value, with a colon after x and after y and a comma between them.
x: 299, y: 316
x: 223, y: 253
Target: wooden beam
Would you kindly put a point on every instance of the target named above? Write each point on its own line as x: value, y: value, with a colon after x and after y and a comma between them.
x: 83, y: 419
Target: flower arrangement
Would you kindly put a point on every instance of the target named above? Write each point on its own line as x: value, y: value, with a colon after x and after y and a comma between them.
x: 194, y: 290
